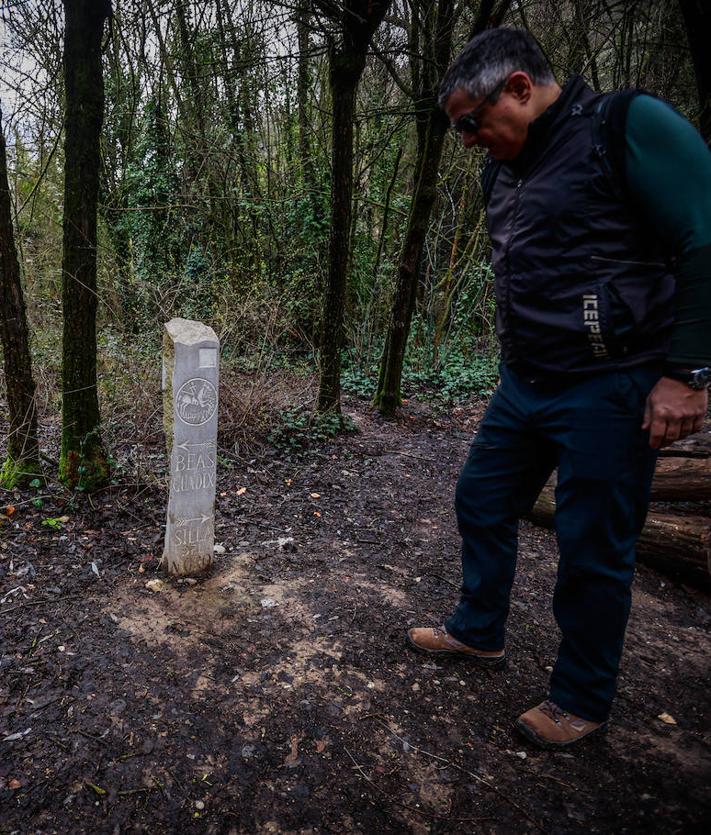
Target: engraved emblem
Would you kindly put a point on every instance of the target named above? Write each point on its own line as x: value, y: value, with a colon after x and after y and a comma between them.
x: 196, y: 401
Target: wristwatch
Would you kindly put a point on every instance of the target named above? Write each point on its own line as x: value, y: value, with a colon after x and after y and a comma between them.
x: 698, y: 378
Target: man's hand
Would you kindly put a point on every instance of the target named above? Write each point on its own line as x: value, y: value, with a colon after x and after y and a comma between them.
x: 673, y: 411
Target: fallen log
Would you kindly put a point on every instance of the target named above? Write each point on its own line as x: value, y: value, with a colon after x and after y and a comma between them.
x: 668, y: 540
x: 695, y: 446
x: 679, y: 538
x: 682, y: 479
x: 676, y: 479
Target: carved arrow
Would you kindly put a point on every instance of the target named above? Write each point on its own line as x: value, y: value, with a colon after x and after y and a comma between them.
x: 202, y: 519
x: 186, y: 445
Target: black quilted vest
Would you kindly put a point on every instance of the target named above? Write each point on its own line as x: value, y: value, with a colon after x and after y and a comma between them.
x: 582, y: 282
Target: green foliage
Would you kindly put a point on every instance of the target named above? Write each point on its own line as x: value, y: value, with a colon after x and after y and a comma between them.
x: 305, y: 236
x: 38, y: 188
x: 36, y: 484
x: 150, y: 231
x: 299, y: 429
x: 456, y: 376
x: 472, y: 311
x: 358, y: 380
x: 198, y: 298
x: 211, y: 209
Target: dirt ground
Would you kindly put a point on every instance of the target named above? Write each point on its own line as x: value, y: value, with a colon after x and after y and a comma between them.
x: 277, y: 695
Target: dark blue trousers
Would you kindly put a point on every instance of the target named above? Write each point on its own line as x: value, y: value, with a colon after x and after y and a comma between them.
x: 590, y: 430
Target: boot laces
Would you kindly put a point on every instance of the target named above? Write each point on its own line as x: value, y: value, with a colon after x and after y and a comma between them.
x: 554, y: 712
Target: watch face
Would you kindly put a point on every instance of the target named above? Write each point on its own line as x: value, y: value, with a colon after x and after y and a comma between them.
x: 700, y: 378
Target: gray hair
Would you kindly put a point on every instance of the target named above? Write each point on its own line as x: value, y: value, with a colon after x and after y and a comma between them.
x: 489, y: 58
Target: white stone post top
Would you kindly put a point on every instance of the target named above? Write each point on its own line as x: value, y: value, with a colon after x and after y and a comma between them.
x: 190, y: 332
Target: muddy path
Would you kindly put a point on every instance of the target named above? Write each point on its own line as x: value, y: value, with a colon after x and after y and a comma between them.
x: 277, y: 695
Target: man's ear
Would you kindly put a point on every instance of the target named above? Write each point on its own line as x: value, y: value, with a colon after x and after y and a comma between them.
x: 520, y: 86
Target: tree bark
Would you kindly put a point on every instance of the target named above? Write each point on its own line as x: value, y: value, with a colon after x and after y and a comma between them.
x: 308, y: 171
x: 490, y: 16
x: 697, y: 20
x: 199, y: 144
x: 684, y: 539
x: 582, y: 18
x: 22, y: 462
x: 358, y: 21
x: 83, y: 461
x: 695, y: 446
x: 432, y: 129
x: 343, y: 91
x: 676, y: 479
x: 682, y: 480
x: 388, y: 396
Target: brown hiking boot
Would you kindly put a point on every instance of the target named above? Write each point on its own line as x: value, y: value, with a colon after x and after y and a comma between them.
x: 549, y: 726
x: 436, y: 641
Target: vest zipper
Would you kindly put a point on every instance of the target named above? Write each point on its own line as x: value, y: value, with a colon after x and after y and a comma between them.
x: 514, y: 215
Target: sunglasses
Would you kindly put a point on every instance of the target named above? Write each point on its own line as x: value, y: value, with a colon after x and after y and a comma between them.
x: 469, y: 122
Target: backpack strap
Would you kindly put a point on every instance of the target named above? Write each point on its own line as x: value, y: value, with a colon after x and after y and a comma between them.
x: 608, y: 135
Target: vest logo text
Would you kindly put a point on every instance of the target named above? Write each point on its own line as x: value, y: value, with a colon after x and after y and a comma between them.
x: 591, y: 321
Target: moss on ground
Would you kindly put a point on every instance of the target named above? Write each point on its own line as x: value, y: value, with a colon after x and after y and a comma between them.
x: 18, y: 472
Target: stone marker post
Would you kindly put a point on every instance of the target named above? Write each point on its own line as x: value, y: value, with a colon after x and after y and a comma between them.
x: 190, y: 385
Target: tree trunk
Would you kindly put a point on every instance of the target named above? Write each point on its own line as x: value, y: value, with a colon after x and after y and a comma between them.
x: 386, y: 215
x: 83, y: 461
x: 388, y: 396
x: 245, y: 220
x: 432, y: 129
x: 308, y: 171
x: 196, y: 135
x: 22, y: 462
x: 359, y: 20
x: 582, y: 18
x: 118, y: 151
x: 697, y: 19
x: 343, y: 91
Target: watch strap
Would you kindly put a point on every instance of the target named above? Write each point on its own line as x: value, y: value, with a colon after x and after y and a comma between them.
x: 696, y: 378
x: 678, y: 374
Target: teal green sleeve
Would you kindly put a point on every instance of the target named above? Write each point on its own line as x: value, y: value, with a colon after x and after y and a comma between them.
x: 668, y: 169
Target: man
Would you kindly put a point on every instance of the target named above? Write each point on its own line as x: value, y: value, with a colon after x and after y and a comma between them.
x: 605, y: 352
